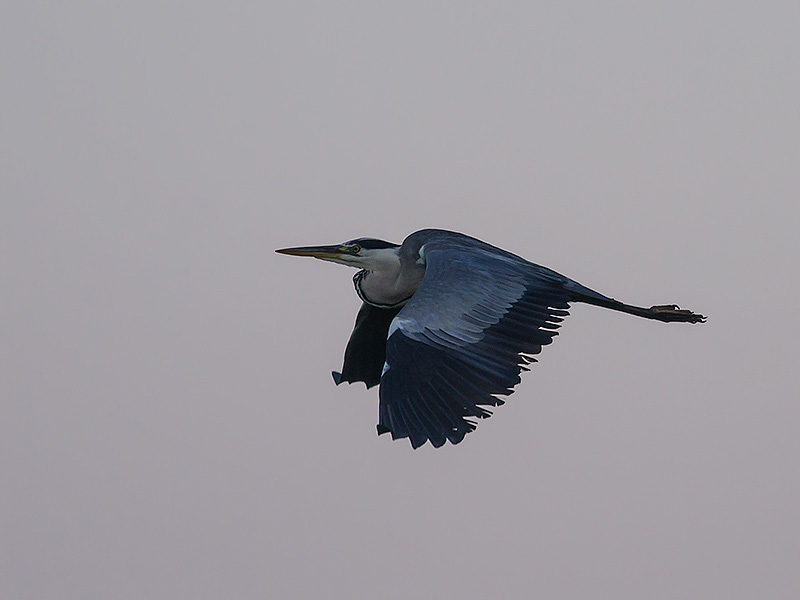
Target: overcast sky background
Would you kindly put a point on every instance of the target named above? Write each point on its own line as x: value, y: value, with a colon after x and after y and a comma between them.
x: 169, y: 427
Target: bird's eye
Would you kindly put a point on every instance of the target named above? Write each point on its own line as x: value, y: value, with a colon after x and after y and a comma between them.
x: 355, y: 248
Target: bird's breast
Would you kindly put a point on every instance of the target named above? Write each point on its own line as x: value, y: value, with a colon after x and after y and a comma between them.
x: 382, y: 290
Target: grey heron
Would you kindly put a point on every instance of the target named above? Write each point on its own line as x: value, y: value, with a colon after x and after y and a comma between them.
x: 448, y: 323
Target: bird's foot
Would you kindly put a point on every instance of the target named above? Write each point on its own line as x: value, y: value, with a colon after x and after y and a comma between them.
x: 673, y: 313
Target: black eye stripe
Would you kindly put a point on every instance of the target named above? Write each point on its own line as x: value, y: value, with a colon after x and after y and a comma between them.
x: 371, y: 244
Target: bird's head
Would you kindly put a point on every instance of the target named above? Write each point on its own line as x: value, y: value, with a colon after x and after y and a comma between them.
x: 362, y: 253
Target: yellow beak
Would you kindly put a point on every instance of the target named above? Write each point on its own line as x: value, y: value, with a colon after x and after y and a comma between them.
x: 323, y: 252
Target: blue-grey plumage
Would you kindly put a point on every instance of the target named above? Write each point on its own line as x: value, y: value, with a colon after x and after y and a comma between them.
x: 448, y: 324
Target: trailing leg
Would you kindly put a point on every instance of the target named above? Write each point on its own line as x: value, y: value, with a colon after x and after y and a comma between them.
x: 668, y: 313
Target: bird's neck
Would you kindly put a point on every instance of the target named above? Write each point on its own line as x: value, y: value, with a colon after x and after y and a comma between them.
x: 389, y: 286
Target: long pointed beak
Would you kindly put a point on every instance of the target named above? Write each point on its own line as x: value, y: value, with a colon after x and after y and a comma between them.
x: 323, y: 252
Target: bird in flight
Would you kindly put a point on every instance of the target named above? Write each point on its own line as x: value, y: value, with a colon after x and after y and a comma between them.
x: 447, y: 325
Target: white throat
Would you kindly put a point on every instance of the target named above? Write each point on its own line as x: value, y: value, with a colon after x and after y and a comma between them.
x: 383, y: 282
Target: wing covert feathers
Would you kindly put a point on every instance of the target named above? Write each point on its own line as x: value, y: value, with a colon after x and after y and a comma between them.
x: 462, y: 341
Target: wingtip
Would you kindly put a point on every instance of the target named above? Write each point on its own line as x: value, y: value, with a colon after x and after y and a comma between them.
x: 383, y: 429
x: 337, y: 377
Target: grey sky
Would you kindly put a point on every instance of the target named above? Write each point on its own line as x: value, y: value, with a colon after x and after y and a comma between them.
x: 168, y: 424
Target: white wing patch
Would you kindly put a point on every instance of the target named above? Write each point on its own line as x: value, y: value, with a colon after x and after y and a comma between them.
x: 421, y: 252
x: 394, y: 326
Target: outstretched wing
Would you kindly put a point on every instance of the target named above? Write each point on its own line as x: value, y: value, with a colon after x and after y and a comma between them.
x: 366, y: 350
x: 464, y: 337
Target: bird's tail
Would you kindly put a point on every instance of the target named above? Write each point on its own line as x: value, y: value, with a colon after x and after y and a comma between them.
x: 668, y: 313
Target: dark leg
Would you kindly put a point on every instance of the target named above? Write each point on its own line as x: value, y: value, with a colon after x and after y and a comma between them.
x: 668, y: 313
